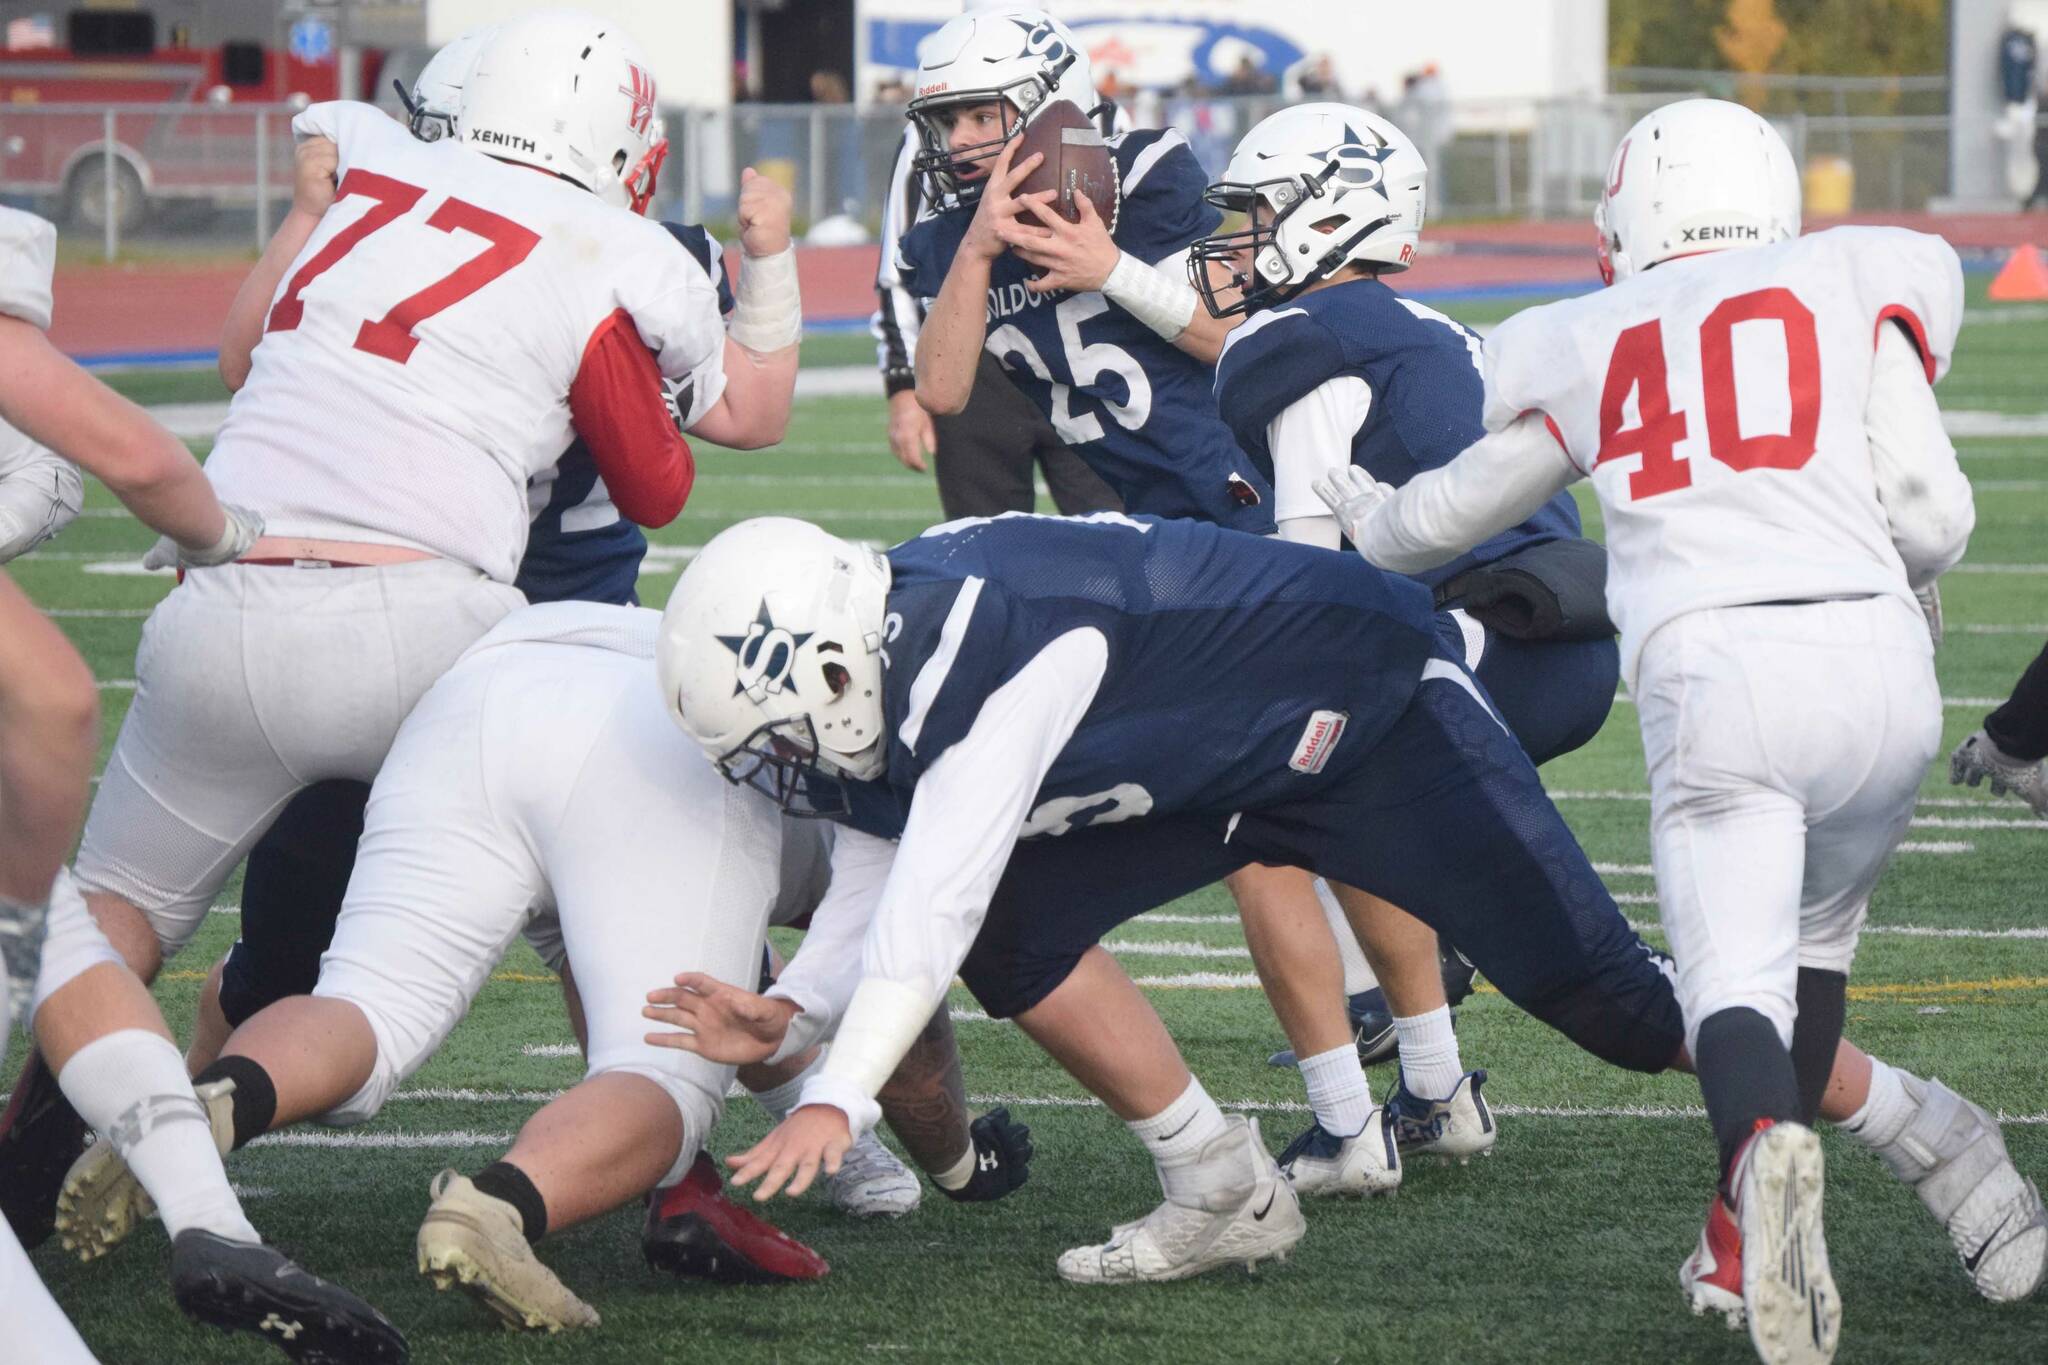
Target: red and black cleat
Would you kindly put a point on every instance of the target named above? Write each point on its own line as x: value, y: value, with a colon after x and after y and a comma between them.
x: 694, y: 1230
x: 40, y: 1136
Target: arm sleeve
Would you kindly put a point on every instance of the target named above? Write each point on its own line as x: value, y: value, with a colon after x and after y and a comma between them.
x: 898, y: 314
x: 1923, y: 489
x: 1312, y: 436
x: 621, y: 411
x: 1499, y: 480
x: 28, y: 263
x: 820, y: 979
x: 964, y: 820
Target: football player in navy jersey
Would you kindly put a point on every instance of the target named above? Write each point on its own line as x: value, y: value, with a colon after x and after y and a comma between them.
x: 1149, y: 705
x: 1135, y: 408
x: 1331, y: 367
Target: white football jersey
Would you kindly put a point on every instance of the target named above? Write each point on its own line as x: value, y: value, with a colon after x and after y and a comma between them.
x: 1717, y: 404
x: 417, y: 359
x: 28, y: 262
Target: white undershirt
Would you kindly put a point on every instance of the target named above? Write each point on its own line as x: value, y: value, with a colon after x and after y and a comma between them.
x: 1310, y: 437
x: 916, y: 906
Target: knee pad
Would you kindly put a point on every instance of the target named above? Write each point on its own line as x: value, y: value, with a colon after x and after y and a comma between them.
x: 1627, y: 1012
x: 1829, y: 945
x: 367, y: 1102
x: 698, y: 1107
x: 72, y: 943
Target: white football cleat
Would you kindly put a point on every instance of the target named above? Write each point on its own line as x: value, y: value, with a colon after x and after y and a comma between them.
x: 1318, y: 1162
x: 1953, y: 1156
x: 1230, y: 1207
x: 1712, y: 1276
x: 476, y: 1242
x: 872, y: 1182
x: 102, y: 1201
x: 1788, y: 1292
x: 1456, y: 1129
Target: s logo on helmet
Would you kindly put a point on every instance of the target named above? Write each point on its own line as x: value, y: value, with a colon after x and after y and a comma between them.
x: 1042, y: 39
x: 764, y: 656
x: 1359, y: 167
x: 641, y: 92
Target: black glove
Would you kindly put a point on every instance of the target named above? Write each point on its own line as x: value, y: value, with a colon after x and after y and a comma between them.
x: 1002, y: 1158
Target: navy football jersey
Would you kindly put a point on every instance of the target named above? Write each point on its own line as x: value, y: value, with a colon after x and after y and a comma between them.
x: 1140, y: 412
x: 1241, y: 669
x: 1427, y: 392
x: 579, y: 548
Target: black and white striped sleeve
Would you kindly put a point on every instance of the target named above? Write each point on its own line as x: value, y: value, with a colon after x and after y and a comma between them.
x: 898, y: 314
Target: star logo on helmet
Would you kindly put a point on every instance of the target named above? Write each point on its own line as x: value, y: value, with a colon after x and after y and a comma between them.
x: 1361, y: 160
x: 764, y: 656
x: 1039, y: 37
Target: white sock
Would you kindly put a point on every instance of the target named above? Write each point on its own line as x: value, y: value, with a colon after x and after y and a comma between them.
x: 1357, y: 971
x: 1429, y: 1054
x: 132, y: 1088
x: 1178, y: 1132
x: 779, y: 1100
x: 1338, y: 1090
x: 1886, y: 1110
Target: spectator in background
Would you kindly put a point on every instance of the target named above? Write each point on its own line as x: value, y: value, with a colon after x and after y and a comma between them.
x: 2018, y: 55
x: 837, y: 139
x: 1425, y: 115
x: 1249, y: 79
x: 1314, y: 78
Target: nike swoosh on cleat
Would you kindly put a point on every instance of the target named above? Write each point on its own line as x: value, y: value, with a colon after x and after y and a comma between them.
x: 1970, y: 1261
x: 1260, y: 1216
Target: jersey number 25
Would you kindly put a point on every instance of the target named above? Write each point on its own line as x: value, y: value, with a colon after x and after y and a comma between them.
x: 391, y: 336
x: 1638, y: 366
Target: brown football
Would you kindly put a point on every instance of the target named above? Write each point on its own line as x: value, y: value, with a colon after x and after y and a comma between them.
x: 1077, y: 161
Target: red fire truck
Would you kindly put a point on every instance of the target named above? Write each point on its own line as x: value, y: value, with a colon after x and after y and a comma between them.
x: 185, y: 81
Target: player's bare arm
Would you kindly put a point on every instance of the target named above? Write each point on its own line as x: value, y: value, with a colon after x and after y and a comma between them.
x: 49, y: 736
x: 61, y: 406
x: 315, y: 162
x: 1082, y: 258
x: 926, y: 1100
x: 767, y: 324
x: 949, y: 347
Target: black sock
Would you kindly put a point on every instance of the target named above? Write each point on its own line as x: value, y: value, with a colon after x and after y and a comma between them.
x: 503, y: 1180
x: 1745, y: 1075
x: 1823, y: 1003
x: 255, y: 1098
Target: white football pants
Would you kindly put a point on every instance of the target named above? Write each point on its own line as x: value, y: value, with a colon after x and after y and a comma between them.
x: 1785, y: 746
x: 252, y: 682
x: 546, y: 780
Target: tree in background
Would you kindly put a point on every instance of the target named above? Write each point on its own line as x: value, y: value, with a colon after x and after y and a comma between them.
x: 1812, y: 37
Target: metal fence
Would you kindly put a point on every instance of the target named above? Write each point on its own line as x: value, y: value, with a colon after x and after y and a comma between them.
x: 170, y: 178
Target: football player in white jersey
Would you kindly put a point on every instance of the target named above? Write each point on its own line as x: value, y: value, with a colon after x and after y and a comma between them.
x: 105, y: 1039
x: 1755, y: 412
x: 538, y: 787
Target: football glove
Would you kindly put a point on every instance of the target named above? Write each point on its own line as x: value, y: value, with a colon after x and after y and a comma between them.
x: 1929, y: 599
x: 1002, y: 1158
x: 244, y: 529
x: 21, y: 957
x: 1977, y: 758
x: 1353, y: 496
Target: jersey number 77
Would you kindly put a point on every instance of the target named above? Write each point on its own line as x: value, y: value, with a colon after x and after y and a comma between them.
x: 391, y: 336
x: 1638, y: 366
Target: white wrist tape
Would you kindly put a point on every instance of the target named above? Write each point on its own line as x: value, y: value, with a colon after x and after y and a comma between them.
x: 882, y: 1020
x: 1153, y: 296
x: 767, y: 314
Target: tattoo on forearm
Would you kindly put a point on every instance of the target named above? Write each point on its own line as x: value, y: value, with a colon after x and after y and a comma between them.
x: 925, y: 1102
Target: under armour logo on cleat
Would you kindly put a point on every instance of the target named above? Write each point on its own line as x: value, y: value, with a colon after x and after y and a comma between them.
x: 988, y: 1161
x: 273, y: 1323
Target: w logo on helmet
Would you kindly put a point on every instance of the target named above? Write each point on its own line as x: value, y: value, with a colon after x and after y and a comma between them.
x: 763, y: 656
x: 641, y: 92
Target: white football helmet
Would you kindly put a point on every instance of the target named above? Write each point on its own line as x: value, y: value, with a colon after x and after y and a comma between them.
x: 770, y: 657
x: 570, y: 93
x: 436, y: 96
x: 1320, y: 186
x: 1015, y: 54
x: 1694, y: 176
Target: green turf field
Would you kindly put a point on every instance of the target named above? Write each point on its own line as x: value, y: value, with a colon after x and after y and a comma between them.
x: 1563, y: 1246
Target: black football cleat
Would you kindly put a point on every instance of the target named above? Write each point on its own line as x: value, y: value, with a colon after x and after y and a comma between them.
x: 249, y: 1287
x: 40, y: 1136
x: 694, y: 1232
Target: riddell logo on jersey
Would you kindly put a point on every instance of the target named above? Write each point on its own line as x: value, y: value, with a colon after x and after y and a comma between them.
x: 1320, y: 736
x: 510, y: 140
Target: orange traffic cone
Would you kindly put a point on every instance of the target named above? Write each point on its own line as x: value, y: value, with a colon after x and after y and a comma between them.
x: 2024, y: 276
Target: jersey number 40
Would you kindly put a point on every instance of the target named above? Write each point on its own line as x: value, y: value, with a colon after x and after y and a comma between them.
x: 1638, y: 366
x: 391, y: 336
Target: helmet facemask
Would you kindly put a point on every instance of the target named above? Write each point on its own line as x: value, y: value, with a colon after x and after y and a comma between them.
x: 1267, y: 206
x: 941, y: 164
x: 782, y: 761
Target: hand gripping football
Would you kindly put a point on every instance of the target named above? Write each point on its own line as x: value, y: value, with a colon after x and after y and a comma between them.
x: 1077, y: 161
